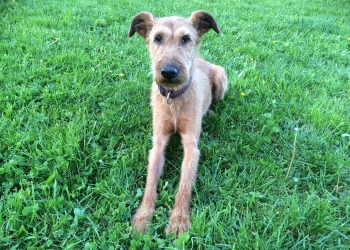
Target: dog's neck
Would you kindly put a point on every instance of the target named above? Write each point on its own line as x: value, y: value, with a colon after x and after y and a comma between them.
x: 170, y: 94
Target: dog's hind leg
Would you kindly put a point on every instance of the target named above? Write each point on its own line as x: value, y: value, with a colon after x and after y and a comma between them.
x: 219, y: 83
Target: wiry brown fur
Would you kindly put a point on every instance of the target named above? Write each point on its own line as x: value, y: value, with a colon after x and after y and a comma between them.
x: 184, y: 114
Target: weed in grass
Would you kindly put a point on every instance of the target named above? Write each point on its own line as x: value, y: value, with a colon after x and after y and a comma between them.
x: 293, y: 154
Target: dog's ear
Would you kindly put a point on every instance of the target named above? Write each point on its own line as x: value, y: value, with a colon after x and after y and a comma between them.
x: 142, y: 24
x: 203, y: 22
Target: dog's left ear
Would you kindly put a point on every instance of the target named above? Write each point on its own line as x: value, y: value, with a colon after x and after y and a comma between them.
x: 203, y: 22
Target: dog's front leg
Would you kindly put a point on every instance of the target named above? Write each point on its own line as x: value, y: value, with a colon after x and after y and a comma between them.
x: 179, y: 218
x: 155, y: 167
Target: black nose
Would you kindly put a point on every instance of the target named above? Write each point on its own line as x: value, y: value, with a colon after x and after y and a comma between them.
x: 169, y: 72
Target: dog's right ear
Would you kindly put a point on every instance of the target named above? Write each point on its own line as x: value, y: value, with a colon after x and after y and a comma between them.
x: 142, y: 24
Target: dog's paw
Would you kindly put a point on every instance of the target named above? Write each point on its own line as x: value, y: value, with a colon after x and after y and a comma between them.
x: 179, y: 223
x: 140, y: 222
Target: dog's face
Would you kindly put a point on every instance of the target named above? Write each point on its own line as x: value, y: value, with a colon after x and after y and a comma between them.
x: 173, y: 43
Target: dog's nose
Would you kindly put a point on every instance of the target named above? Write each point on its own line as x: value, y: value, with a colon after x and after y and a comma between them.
x: 169, y: 72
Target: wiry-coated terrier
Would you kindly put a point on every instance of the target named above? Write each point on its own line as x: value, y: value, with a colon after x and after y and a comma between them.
x: 183, y: 87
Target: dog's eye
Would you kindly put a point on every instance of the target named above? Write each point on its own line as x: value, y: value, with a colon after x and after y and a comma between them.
x: 158, y: 39
x: 185, y: 39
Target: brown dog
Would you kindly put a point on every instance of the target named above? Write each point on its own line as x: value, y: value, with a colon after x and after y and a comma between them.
x: 183, y: 87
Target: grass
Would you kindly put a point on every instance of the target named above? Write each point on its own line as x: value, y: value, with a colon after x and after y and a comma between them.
x: 75, y: 127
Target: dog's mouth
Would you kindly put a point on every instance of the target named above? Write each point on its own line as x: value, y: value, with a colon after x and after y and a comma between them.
x: 171, y: 86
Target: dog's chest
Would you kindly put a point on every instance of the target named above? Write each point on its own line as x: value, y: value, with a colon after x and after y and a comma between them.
x: 175, y: 115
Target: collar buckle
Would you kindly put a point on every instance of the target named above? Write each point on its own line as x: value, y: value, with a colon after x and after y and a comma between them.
x: 168, y: 99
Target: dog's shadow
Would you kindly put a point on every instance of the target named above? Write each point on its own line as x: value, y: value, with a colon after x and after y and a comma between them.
x: 173, y: 159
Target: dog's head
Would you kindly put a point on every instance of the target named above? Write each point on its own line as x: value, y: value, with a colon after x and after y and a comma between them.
x: 173, y: 43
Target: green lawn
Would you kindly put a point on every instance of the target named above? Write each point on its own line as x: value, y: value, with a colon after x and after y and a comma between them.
x: 75, y: 127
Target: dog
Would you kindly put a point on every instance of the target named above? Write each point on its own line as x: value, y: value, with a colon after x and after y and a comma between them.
x: 184, y: 85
